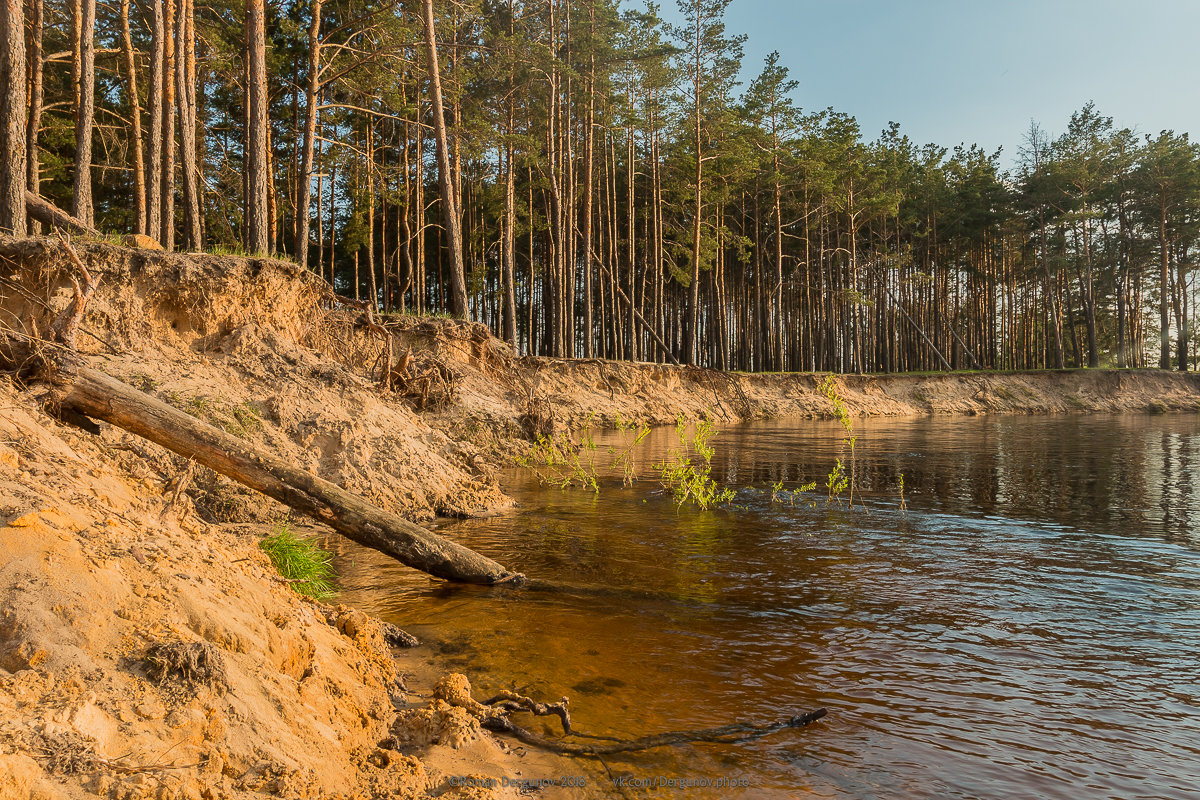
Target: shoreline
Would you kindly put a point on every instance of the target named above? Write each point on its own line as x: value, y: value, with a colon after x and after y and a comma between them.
x: 109, y: 551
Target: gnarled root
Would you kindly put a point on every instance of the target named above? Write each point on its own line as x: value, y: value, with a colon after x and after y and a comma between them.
x: 494, y: 715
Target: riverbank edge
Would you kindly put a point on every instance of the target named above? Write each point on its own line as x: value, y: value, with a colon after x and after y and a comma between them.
x: 105, y: 558
x: 572, y: 394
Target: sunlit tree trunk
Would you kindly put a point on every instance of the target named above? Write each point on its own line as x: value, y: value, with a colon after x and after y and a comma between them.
x: 258, y: 226
x: 155, y: 112
x: 1164, y: 286
x: 135, y: 116
x: 450, y: 215
x: 311, y: 92
x: 85, y: 112
x: 13, y: 177
x: 166, y: 234
x: 185, y: 35
x: 36, y: 97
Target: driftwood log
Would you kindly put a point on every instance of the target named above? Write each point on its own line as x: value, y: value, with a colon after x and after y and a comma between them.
x: 83, y: 390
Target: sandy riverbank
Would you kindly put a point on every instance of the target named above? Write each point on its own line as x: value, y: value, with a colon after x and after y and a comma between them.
x: 103, y: 563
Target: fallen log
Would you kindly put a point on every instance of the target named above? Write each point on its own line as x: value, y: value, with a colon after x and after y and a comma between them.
x: 53, y: 216
x: 86, y: 391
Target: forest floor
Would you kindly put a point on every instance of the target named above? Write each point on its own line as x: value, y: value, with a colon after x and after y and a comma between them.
x: 105, y: 567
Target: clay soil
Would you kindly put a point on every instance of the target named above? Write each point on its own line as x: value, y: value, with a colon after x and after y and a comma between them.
x: 148, y: 649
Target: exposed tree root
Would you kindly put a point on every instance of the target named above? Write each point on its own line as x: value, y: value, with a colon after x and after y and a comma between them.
x: 494, y: 715
x: 193, y: 663
x: 65, y: 327
x: 725, y: 734
x: 398, y: 637
x: 69, y: 753
x: 538, y: 419
x: 423, y: 379
x: 511, y: 702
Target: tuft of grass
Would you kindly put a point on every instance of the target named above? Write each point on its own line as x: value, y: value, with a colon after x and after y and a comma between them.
x: 241, y: 420
x: 238, y: 251
x: 307, y: 567
x: 200, y: 404
x: 248, y: 417
x: 143, y: 382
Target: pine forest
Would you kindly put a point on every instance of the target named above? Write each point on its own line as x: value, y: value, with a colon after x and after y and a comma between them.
x: 591, y: 180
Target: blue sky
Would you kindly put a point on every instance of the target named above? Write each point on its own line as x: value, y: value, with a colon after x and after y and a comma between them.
x: 977, y: 72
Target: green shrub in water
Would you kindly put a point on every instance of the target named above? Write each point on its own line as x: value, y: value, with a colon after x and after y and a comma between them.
x: 558, y: 461
x: 839, y: 480
x: 687, y: 470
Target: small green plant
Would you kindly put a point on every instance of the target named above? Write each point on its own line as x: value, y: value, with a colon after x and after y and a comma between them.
x: 778, y: 493
x: 557, y: 461
x: 687, y: 470
x: 242, y: 420
x: 836, y: 482
x: 143, y: 382
x: 903, y: 505
x: 829, y: 388
x: 248, y: 417
x: 622, y: 456
x: 301, y: 563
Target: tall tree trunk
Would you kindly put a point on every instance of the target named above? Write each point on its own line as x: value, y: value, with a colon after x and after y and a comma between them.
x: 272, y: 193
x: 135, y: 116
x: 170, y: 66
x: 1090, y: 294
x: 370, y: 148
x: 589, y: 158
x: 185, y: 71
x: 155, y: 111
x: 777, y: 290
x: 333, y: 225
x: 36, y: 95
x: 1181, y: 308
x: 1164, y: 319
x: 693, y: 311
x: 13, y: 177
x: 450, y: 217
x: 509, y: 246
x: 85, y: 112
x: 258, y: 228
x: 311, y: 89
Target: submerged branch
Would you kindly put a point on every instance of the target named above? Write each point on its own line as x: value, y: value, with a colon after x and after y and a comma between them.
x: 724, y: 734
x: 494, y: 715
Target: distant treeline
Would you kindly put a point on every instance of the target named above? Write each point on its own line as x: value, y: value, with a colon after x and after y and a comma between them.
x: 617, y: 192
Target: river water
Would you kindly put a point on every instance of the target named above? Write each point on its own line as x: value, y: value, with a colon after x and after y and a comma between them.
x: 1027, y: 627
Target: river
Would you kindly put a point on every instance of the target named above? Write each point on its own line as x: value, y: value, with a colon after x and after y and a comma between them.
x: 1026, y: 627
